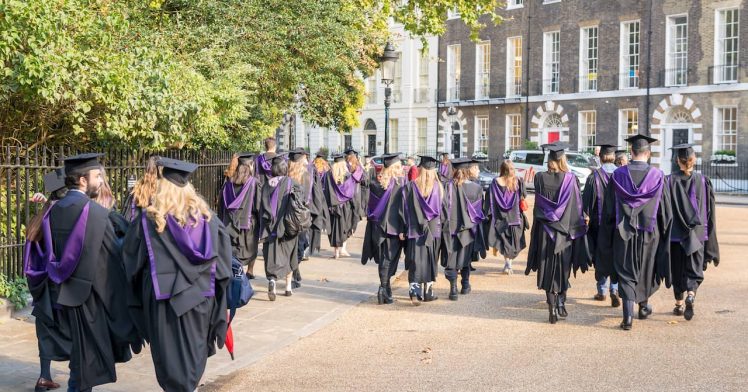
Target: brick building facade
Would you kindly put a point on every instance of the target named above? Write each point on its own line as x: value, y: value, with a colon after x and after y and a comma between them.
x: 586, y: 71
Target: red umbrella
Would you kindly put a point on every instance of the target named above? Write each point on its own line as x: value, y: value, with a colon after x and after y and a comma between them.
x: 230, y: 340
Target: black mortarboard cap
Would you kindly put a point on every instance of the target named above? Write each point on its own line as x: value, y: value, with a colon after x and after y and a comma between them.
x: 606, y: 149
x: 338, y: 158
x: 349, y: 151
x: 176, y: 171
x: 555, y: 150
x: 638, y: 142
x: 427, y: 162
x: 244, y: 155
x: 462, y: 163
x: 54, y: 180
x: 297, y: 154
x: 281, y: 156
x: 321, y: 154
x: 683, y: 150
x: 82, y: 163
x: 390, y: 159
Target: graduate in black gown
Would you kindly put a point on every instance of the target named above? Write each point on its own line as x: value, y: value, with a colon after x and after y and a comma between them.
x: 557, y: 241
x: 461, y: 235
x: 693, y: 240
x: 593, y: 198
x: 52, y: 330
x: 299, y: 171
x: 505, y: 223
x: 358, y: 174
x: 264, y: 161
x: 445, y: 168
x: 425, y: 210
x: 340, y: 190
x: 238, y: 209
x: 79, y: 253
x: 385, y: 225
x: 321, y: 221
x: 278, y: 249
x: 177, y: 257
x: 636, y: 224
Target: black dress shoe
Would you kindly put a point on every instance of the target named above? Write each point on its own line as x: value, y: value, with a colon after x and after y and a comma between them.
x: 615, y: 300
x: 627, y: 323
x: 599, y: 297
x: 465, y: 288
x: 562, y: 313
x: 688, y: 314
x: 289, y: 293
x: 644, y: 312
x: 552, y: 314
x: 295, y: 284
x: 388, y: 291
x: 250, y: 276
x: 429, y: 295
x: 453, y: 290
x: 678, y: 310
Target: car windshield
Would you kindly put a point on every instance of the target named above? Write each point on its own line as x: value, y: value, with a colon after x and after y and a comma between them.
x: 577, y: 160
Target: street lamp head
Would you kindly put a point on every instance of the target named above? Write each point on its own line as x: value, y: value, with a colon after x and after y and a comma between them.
x: 387, y: 63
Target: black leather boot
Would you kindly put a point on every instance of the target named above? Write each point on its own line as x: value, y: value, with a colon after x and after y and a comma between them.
x: 552, y: 314
x: 388, y: 297
x: 381, y: 295
x: 453, y: 290
x: 428, y: 294
x: 465, y: 287
x: 615, y: 300
x: 628, y: 317
x: 562, y: 313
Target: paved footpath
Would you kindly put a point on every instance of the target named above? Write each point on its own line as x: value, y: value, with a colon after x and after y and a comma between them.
x: 331, y: 335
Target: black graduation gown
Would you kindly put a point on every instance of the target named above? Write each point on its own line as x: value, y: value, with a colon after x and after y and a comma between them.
x: 554, y: 258
x: 278, y: 250
x: 321, y: 216
x: 593, y: 198
x: 261, y: 176
x: 508, y: 239
x: 461, y: 238
x: 381, y: 240
x: 694, y: 234
x: 244, y: 242
x: 180, y: 317
x: 359, y: 209
x: 341, y: 214
x: 101, y: 331
x: 424, y: 236
x: 641, y: 259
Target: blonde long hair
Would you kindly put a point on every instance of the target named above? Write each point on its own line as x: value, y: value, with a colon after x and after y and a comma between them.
x: 339, y: 171
x: 183, y: 203
x: 507, y: 172
x: 146, y: 185
x: 388, y: 172
x: 558, y: 165
x: 687, y: 165
x: 321, y: 165
x: 353, y: 162
x: 105, y: 198
x: 298, y: 170
x: 426, y: 180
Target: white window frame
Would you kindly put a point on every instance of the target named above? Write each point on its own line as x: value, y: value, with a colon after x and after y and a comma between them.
x: 512, y: 88
x: 549, y: 85
x: 725, y: 73
x: 627, y: 80
x: 397, y: 82
x: 551, y: 1
x: 422, y: 139
x: 483, y: 70
x: 675, y: 75
x: 588, y: 78
x: 623, y: 124
x: 514, y: 4
x: 509, y: 123
x: 454, y: 52
x: 482, y: 133
x: 582, y: 141
x: 718, y: 130
x: 422, y: 79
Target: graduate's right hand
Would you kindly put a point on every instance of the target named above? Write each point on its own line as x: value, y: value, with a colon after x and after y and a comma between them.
x: 402, y: 237
x: 38, y: 198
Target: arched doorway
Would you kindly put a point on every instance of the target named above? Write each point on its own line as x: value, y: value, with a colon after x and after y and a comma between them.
x: 453, y: 134
x: 676, y: 120
x: 370, y: 136
x: 549, y: 124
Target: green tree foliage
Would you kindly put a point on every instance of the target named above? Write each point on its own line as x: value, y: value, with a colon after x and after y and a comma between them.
x: 153, y: 74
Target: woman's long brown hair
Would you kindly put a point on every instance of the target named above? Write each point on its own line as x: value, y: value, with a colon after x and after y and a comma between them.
x: 506, y: 171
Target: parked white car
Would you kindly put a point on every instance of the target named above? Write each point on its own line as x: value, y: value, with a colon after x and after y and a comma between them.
x: 529, y: 162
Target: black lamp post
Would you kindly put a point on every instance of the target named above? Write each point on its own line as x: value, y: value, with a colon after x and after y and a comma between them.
x: 387, y: 67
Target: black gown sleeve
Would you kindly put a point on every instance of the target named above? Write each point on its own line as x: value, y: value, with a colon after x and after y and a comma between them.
x: 664, y: 225
x: 219, y: 318
x: 711, y: 246
x: 589, y: 196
